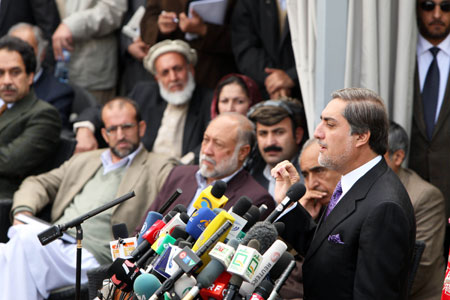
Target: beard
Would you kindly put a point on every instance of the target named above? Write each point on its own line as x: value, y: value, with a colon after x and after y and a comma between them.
x: 178, y: 97
x: 427, y: 34
x: 222, y: 169
x: 124, y: 152
x: 335, y: 162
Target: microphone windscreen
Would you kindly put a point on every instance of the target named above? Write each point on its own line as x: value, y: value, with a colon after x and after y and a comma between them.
x: 120, y: 231
x: 242, y: 206
x: 296, y: 191
x: 145, y: 286
x: 210, y: 273
x: 152, y: 217
x: 179, y: 208
x: 179, y: 233
x: 184, y: 217
x: 199, y: 220
x: 264, y: 289
x: 280, y: 226
x: 264, y: 232
x: 218, y: 189
x: 183, y: 285
x: 281, y: 265
x: 252, y: 216
x: 123, y: 273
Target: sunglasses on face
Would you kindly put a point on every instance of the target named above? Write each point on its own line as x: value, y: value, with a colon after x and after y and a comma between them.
x: 430, y: 5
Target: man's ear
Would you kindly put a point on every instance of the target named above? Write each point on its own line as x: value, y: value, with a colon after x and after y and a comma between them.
x: 243, y: 152
x: 362, y: 138
x: 398, y: 157
x: 298, y: 135
x: 142, y: 127
x: 105, y: 135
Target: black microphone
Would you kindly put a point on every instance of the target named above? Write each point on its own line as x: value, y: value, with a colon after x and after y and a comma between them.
x: 284, y: 276
x: 171, y: 200
x: 252, y: 216
x: 120, y: 231
x: 280, y: 226
x: 294, y: 193
x: 262, y: 291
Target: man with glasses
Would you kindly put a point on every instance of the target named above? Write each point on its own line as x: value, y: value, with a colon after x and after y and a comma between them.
x: 83, y: 183
x: 280, y: 127
x: 430, y: 135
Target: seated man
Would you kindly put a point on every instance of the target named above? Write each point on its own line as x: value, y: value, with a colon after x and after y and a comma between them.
x: 226, y: 144
x: 175, y: 108
x: 320, y: 183
x: 429, y: 209
x: 46, y: 86
x: 280, y: 126
x: 83, y: 183
x: 29, y: 127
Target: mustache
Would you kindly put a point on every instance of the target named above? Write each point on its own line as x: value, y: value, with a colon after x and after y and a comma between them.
x: 273, y: 148
x: 203, y: 157
x: 437, y: 22
x: 8, y: 88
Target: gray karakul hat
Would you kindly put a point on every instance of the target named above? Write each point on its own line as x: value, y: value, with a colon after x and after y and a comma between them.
x: 165, y: 46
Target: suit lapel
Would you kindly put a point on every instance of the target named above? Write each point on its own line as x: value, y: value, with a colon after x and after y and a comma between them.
x: 418, y: 106
x: 19, y: 108
x: 346, y: 207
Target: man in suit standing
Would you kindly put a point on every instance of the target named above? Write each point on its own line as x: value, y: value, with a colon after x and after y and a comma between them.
x: 83, y: 183
x: 430, y: 133
x: 29, y: 127
x: 46, y: 86
x: 225, y: 146
x: 362, y: 246
x: 429, y: 209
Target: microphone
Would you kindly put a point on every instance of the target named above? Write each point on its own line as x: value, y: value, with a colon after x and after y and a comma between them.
x: 262, y: 209
x: 279, y: 226
x: 123, y: 273
x: 180, y: 219
x: 221, y: 256
x: 171, y: 200
x: 236, y: 279
x: 218, y: 289
x: 151, y: 218
x: 212, y: 197
x: 180, y: 208
x: 284, y: 276
x: 252, y: 216
x: 237, y: 211
x: 269, y: 258
x: 145, y: 285
x: 241, y: 206
x: 149, y: 237
x: 294, y: 193
x: 262, y: 291
x: 120, y: 231
x: 198, y: 222
x: 264, y: 232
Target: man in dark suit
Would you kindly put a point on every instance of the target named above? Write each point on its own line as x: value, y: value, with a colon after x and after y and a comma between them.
x: 225, y: 146
x: 430, y: 133
x: 29, y: 127
x: 362, y: 246
x: 262, y: 47
x: 176, y: 109
x: 46, y: 86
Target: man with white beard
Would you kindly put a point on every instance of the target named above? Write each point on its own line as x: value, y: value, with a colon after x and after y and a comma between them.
x: 174, y: 107
x: 226, y: 145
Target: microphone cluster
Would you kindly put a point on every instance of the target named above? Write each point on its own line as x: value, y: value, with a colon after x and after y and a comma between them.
x: 212, y: 254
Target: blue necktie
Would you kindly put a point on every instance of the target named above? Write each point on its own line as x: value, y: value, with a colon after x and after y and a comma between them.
x: 430, y: 93
x: 334, y: 198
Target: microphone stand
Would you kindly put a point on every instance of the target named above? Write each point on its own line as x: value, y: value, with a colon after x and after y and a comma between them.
x: 56, y: 231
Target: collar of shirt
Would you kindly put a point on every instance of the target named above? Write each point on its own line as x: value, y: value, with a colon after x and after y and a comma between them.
x: 270, y: 178
x: 423, y: 46
x: 37, y: 75
x: 109, y: 166
x: 349, y: 179
x: 8, y: 105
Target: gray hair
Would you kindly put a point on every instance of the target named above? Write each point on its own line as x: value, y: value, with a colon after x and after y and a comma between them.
x: 398, y: 138
x: 42, y: 43
x: 245, y: 130
x: 366, y: 112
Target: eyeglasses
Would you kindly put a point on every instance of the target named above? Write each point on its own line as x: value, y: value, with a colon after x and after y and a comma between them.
x: 126, y: 128
x: 430, y: 5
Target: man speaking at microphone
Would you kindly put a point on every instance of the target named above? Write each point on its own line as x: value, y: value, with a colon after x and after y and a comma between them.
x: 226, y: 144
x: 83, y: 183
x: 362, y: 246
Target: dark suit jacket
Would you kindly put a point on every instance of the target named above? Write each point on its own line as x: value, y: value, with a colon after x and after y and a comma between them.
x: 257, y: 44
x: 58, y: 94
x: 184, y: 177
x: 29, y: 133
x: 376, y: 226
x: 430, y: 159
x: 215, y: 58
x: 152, y: 107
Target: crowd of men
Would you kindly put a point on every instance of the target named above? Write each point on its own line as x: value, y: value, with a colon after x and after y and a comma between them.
x: 151, y: 132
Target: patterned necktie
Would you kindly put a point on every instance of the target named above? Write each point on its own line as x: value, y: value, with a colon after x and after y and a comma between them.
x: 334, y: 198
x: 2, y: 109
x: 430, y: 93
